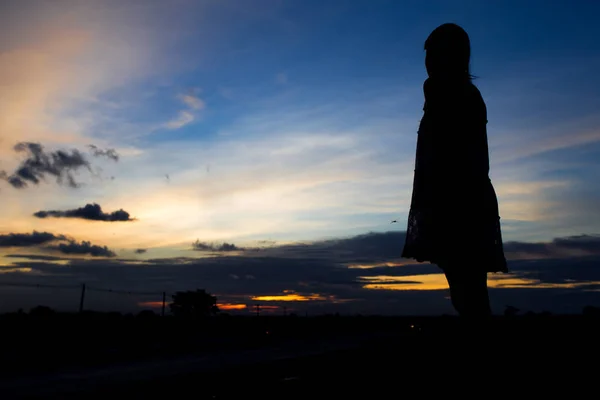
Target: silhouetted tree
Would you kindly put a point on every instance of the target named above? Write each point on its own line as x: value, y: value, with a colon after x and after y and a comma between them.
x: 146, y: 314
x: 41, y: 311
x: 194, y: 304
x: 511, y: 311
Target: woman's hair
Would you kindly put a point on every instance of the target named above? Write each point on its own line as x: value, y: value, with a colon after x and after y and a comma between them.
x: 452, y: 42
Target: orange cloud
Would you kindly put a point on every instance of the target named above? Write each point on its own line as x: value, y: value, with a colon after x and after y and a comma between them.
x: 412, y: 282
x: 290, y: 297
x: 438, y: 282
x: 231, y: 306
x: 385, y: 264
x: 150, y: 304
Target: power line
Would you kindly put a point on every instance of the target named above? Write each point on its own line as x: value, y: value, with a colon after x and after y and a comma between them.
x: 83, y: 287
x: 117, y: 291
x: 38, y: 285
x: 96, y: 289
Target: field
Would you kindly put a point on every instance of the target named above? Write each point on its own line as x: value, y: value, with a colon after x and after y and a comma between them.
x: 99, y: 355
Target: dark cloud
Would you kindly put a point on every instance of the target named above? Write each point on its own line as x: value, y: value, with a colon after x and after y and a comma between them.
x: 387, y: 281
x: 91, y: 212
x: 108, y: 153
x: 35, y: 257
x: 380, y: 247
x: 555, y: 284
x: 50, y: 241
x: 215, y: 247
x: 38, y: 164
x: 84, y: 248
x: 373, y: 247
x: 569, y: 246
x: 28, y: 239
x: 140, y: 251
x: 333, y: 288
x: 589, y: 243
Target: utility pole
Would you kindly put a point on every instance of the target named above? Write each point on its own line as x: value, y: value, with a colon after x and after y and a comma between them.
x: 284, y: 311
x: 257, y: 306
x: 163, y: 304
x: 82, y: 297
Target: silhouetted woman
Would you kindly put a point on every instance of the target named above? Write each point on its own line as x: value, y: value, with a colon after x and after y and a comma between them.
x: 454, y: 220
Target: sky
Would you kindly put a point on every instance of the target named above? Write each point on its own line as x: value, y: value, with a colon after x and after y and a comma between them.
x: 259, y: 150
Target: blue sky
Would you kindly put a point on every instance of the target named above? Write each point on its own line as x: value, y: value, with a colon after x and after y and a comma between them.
x: 287, y: 120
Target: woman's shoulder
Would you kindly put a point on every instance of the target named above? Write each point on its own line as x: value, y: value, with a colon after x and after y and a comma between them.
x: 475, y: 93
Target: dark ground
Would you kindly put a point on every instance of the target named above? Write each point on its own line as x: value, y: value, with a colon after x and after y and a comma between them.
x: 332, y: 358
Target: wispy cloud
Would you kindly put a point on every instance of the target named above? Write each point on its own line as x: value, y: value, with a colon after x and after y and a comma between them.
x: 109, y: 153
x: 190, y: 114
x: 38, y: 164
x: 193, y: 102
x: 183, y: 118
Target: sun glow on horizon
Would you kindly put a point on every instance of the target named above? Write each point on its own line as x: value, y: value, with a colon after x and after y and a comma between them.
x: 290, y: 297
x: 438, y: 282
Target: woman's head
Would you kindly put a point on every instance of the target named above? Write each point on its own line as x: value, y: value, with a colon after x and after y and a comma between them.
x: 448, y: 52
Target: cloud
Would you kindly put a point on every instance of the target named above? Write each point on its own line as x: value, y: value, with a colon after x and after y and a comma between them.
x: 324, y: 184
x: 35, y: 257
x: 183, y: 118
x: 317, y: 286
x: 43, y: 241
x: 28, y: 239
x: 215, y: 247
x: 384, y: 249
x: 38, y: 164
x: 109, y: 153
x: 569, y: 246
x: 91, y: 212
x: 84, y: 248
x: 187, y: 116
x: 517, y: 146
x: 140, y: 251
x: 373, y: 247
x: 193, y: 102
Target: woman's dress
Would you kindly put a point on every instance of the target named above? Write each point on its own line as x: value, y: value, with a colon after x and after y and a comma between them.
x: 454, y: 213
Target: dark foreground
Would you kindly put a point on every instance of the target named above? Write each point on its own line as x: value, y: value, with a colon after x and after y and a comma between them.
x: 536, y: 356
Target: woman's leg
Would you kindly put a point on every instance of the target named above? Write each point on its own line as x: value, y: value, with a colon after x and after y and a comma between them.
x: 468, y: 290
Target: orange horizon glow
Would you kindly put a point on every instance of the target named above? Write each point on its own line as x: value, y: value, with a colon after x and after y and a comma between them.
x: 390, y: 264
x: 290, y: 297
x: 231, y: 306
x: 151, y: 304
x: 439, y: 282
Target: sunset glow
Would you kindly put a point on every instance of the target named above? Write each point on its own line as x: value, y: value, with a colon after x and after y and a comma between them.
x: 289, y: 297
x: 151, y: 304
x: 265, y: 152
x: 229, y: 307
